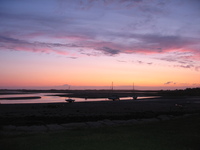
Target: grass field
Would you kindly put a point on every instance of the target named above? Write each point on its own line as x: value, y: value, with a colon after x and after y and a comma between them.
x: 179, y: 134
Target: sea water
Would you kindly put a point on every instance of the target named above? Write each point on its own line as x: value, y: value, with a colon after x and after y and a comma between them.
x: 50, y: 98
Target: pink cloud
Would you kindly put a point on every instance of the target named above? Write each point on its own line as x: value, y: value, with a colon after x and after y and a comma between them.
x: 22, y: 45
x: 146, y: 44
x: 40, y: 50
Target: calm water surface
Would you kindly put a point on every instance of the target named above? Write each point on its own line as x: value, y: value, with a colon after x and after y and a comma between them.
x: 48, y: 98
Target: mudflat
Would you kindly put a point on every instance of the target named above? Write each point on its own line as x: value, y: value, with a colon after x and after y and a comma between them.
x: 48, y: 113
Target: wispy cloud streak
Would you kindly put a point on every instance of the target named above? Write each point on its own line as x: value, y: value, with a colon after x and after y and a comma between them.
x: 107, y: 27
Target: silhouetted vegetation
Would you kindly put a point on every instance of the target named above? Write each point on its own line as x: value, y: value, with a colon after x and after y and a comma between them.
x: 185, y: 92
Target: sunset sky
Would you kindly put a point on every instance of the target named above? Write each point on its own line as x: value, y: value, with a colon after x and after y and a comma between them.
x: 92, y: 43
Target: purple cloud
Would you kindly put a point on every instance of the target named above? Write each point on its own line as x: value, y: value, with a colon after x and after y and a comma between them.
x: 109, y: 51
x: 184, y: 66
x: 142, y: 62
x: 128, y: 26
x: 156, y: 43
x: 23, y: 45
x: 169, y: 82
x: 181, y: 60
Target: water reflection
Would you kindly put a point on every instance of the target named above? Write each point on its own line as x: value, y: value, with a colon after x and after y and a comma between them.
x: 49, y: 98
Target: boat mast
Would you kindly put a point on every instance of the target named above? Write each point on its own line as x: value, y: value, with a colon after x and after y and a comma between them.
x: 112, y: 86
x: 134, y: 95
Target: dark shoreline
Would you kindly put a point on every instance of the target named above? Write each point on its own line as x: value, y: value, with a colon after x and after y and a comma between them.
x: 20, y: 98
x: 58, y: 113
x: 169, y: 103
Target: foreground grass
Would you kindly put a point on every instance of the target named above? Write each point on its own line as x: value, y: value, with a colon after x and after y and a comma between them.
x: 180, y: 134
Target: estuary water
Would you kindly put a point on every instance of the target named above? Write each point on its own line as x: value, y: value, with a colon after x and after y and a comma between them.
x: 49, y: 98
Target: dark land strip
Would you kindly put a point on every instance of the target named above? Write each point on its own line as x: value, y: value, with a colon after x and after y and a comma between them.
x: 50, y: 113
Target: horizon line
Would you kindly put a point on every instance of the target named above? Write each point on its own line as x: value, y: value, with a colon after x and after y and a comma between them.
x: 70, y: 87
